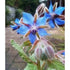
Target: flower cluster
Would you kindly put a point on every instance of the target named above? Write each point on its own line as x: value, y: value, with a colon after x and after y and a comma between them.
x: 34, y: 28
x: 53, y: 15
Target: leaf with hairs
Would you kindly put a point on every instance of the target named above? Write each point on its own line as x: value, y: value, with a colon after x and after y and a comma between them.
x: 21, y: 52
x: 55, y: 65
x: 31, y: 66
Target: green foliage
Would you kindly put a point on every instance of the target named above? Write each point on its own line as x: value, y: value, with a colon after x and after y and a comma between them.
x: 26, y: 5
x: 7, y: 14
x: 32, y: 57
x: 10, y: 2
x: 8, y: 18
x: 21, y: 52
x: 27, y: 45
x: 18, y: 13
x: 31, y: 66
x: 7, y: 11
x: 61, y: 45
x: 20, y: 5
x: 29, y: 5
x: 56, y: 65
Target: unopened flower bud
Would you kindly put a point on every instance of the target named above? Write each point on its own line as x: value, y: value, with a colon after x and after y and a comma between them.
x: 38, y: 53
x: 40, y: 9
x: 49, y: 51
x: 44, y: 50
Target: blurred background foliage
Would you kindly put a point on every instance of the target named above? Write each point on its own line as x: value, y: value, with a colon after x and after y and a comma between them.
x: 27, y: 5
x: 23, y: 5
x: 20, y: 6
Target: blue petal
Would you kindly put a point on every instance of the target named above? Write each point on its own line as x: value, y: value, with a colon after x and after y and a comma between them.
x: 50, y: 7
x: 28, y: 18
x: 41, y: 21
x: 32, y: 38
x: 17, y: 21
x: 58, y: 21
x: 59, y: 10
x: 14, y: 27
x: 23, y: 30
x: 42, y: 32
x: 51, y: 24
x: 47, y: 15
x: 63, y: 53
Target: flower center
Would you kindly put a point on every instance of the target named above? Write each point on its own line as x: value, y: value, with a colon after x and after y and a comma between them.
x: 34, y: 29
x: 53, y: 15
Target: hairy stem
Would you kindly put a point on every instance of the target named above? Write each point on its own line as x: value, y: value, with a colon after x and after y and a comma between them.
x: 38, y: 65
x: 43, y: 65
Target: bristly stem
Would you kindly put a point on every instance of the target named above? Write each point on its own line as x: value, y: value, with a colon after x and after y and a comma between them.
x: 38, y: 65
x: 43, y: 65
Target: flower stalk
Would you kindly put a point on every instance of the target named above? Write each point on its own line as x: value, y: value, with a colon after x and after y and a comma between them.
x: 38, y: 65
x: 43, y: 65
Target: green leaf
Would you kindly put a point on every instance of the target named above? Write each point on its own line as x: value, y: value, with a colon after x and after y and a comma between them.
x: 21, y: 52
x: 51, y: 69
x: 32, y: 57
x: 55, y: 65
x: 27, y: 43
x: 31, y: 66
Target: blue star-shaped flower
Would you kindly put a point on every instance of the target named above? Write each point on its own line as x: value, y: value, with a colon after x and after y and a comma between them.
x: 31, y: 26
x: 53, y: 14
x: 16, y: 25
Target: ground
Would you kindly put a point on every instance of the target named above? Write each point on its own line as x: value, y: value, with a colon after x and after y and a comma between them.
x: 13, y: 60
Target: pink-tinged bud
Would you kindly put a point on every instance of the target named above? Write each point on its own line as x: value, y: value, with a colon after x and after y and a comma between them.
x: 44, y: 50
x: 49, y: 51
x: 38, y: 53
x: 40, y: 10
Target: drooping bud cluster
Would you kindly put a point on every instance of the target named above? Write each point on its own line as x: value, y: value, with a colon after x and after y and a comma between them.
x: 40, y: 10
x: 44, y: 50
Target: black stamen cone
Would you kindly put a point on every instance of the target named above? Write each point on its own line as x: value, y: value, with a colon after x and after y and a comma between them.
x: 34, y: 31
x: 55, y: 16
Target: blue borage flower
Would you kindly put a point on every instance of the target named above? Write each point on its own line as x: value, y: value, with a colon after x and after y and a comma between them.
x: 16, y: 25
x: 29, y: 25
x: 53, y: 14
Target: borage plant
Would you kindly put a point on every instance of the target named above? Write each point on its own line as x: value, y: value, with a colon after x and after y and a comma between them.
x: 40, y: 55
